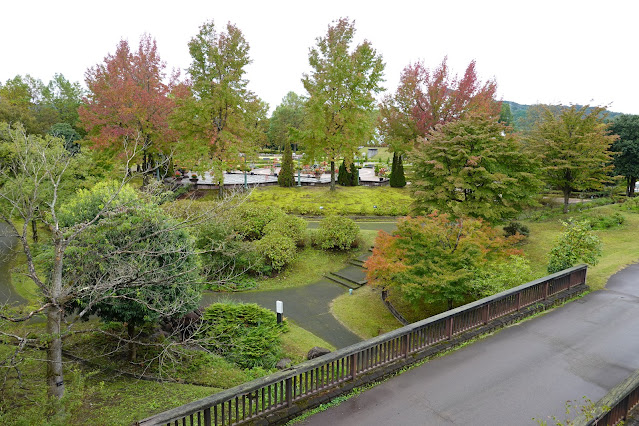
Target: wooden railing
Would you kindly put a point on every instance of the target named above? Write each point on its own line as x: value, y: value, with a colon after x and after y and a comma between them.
x: 281, y: 391
x: 613, y: 408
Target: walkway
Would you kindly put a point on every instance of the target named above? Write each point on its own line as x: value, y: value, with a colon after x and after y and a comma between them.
x: 529, y: 370
x: 308, y: 307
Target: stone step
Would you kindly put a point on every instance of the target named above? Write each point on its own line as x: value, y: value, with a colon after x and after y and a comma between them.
x: 339, y: 280
x: 356, y: 262
x: 355, y: 275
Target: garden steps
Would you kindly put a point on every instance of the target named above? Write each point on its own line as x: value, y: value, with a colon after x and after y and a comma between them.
x: 343, y: 281
x: 356, y: 262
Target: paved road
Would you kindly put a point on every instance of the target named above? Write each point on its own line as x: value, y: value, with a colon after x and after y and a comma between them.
x: 528, y: 370
x: 308, y: 306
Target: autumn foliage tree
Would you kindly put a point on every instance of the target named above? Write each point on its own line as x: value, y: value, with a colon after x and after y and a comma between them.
x: 129, y: 99
x: 426, y: 98
x: 217, y: 117
x: 340, y: 109
x: 432, y: 259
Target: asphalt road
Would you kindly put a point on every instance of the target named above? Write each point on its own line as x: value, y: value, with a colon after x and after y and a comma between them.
x: 529, y: 370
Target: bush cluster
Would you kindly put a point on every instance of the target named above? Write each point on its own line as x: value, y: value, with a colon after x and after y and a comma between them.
x: 243, y: 333
x: 514, y: 228
x: 277, y: 250
x: 249, y: 220
x: 336, y: 232
x: 289, y: 226
x: 604, y: 221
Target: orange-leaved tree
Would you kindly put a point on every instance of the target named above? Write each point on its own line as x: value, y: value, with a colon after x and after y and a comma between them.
x: 432, y: 259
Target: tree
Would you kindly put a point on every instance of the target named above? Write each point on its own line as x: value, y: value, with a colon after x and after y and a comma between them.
x: 217, y: 117
x: 425, y: 99
x: 134, y: 266
x: 286, y: 177
x: 433, y: 259
x: 32, y: 179
x: 341, y: 105
x: 65, y: 98
x: 576, y: 244
x: 129, y: 100
x: 397, y: 178
x: 574, y: 146
x: 473, y: 167
x: 626, y: 149
x: 287, y: 115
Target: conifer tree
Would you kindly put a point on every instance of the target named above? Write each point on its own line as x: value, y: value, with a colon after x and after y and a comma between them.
x: 397, y: 178
x: 286, y: 177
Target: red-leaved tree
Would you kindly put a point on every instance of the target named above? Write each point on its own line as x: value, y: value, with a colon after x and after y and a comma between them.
x: 129, y: 100
x: 426, y: 98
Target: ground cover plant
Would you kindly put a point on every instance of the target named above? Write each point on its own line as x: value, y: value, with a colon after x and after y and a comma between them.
x: 344, y: 201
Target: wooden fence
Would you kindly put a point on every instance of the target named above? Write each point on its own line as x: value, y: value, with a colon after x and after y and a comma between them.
x: 307, y: 384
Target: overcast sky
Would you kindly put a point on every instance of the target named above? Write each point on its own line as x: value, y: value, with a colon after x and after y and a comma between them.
x: 556, y: 51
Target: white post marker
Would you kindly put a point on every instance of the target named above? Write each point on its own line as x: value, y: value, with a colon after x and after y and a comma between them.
x: 279, y: 309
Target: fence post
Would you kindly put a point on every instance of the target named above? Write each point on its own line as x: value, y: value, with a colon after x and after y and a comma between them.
x: 354, y: 366
x: 207, y: 416
x: 405, y: 345
x: 486, y: 313
x: 546, y: 290
x: 518, y: 298
x: 289, y: 391
x: 449, y: 326
x: 570, y: 280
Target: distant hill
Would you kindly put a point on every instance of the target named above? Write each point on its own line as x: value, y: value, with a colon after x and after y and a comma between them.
x: 520, y: 112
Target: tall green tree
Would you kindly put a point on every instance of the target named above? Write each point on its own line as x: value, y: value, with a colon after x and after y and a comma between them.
x: 286, y: 177
x: 65, y: 97
x: 574, y: 145
x: 341, y: 86
x: 217, y: 117
x: 287, y: 116
x: 473, y: 167
x: 626, y: 149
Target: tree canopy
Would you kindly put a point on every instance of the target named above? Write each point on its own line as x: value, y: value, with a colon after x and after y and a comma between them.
x: 129, y: 100
x: 433, y: 259
x: 574, y: 144
x: 473, y: 167
x: 342, y: 85
x: 626, y: 149
x: 287, y: 116
x: 426, y: 98
x: 217, y: 117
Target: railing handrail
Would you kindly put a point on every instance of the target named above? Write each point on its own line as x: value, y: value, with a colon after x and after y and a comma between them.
x: 225, y: 395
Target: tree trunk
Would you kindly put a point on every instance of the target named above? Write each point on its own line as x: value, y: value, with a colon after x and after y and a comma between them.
x: 34, y: 230
x: 566, y: 199
x: 632, y: 181
x: 332, y: 175
x: 55, y: 382
x: 130, y: 328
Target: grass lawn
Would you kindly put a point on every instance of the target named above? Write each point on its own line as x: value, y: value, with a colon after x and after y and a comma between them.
x: 364, y: 313
x: 345, y: 201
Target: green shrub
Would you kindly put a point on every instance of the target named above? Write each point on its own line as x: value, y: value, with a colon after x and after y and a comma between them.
x: 290, y: 226
x: 336, y: 232
x: 87, y: 203
x: 277, y: 250
x: 245, y: 334
x: 631, y: 204
x: 576, y: 244
x: 226, y: 256
x: 249, y: 220
x: 516, y: 228
x: 603, y: 221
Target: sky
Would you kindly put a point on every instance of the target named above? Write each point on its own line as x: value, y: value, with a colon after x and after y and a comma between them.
x: 560, y: 51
